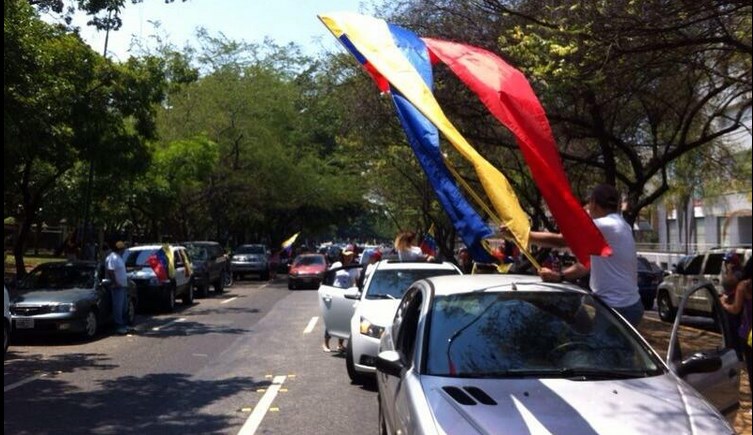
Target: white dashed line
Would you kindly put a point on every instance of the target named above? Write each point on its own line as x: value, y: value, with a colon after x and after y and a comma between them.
x: 254, y: 420
x: 22, y: 382
x: 229, y: 300
x: 310, y: 326
x: 167, y: 325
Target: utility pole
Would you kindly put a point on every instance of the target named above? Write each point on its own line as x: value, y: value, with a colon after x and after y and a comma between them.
x: 90, y: 181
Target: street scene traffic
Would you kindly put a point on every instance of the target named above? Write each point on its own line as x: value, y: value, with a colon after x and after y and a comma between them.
x: 423, y: 217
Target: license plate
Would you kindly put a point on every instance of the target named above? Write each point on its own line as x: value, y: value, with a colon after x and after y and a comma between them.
x: 24, y: 323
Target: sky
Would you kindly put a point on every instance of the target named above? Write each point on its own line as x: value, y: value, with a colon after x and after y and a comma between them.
x: 241, y: 20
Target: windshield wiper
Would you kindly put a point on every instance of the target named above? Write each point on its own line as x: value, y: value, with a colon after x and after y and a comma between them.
x: 588, y: 374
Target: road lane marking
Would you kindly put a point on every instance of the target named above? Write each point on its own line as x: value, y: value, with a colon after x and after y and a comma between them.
x: 229, y: 300
x: 310, y: 326
x: 22, y: 382
x: 166, y: 325
x: 261, y: 408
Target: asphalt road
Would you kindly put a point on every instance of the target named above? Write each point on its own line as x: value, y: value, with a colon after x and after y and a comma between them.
x: 248, y: 360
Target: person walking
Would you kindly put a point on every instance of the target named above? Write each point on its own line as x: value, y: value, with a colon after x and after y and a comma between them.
x: 116, y: 271
x: 615, y: 278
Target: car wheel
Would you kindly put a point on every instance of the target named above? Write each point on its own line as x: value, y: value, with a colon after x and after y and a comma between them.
x: 219, y: 284
x: 203, y: 290
x: 188, y: 295
x: 6, y: 340
x: 228, y: 277
x: 354, y: 376
x: 664, y: 306
x: 91, y: 325
x: 130, y: 311
x: 169, y: 302
x: 291, y: 285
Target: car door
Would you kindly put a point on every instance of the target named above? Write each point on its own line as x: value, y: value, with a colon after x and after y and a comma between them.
x: 337, y: 305
x: 182, y: 272
x: 721, y: 387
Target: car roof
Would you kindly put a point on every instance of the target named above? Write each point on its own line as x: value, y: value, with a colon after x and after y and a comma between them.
x: 402, y: 265
x: 447, y: 285
x: 202, y: 242
x: 150, y: 247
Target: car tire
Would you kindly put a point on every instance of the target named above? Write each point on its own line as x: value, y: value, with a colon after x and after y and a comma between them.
x: 219, y: 284
x: 91, y: 325
x: 203, y: 290
x: 228, y: 279
x: 291, y: 285
x: 168, y: 303
x: 354, y: 376
x: 188, y: 295
x: 664, y: 307
x: 130, y: 312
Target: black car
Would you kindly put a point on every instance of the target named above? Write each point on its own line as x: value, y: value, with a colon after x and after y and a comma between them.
x: 209, y: 266
x: 649, y: 277
x: 66, y: 297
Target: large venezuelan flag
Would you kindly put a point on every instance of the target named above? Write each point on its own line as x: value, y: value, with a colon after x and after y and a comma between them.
x: 377, y: 46
x: 396, y: 58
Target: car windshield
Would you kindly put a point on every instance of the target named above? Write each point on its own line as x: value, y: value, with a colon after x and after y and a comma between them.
x: 59, y: 277
x: 309, y: 260
x: 251, y: 249
x: 392, y: 283
x: 197, y: 253
x: 532, y: 334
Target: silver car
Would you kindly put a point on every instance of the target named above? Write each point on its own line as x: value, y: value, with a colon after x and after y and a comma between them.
x: 509, y: 354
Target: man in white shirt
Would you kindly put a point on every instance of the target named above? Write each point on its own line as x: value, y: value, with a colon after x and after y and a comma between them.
x: 116, y: 272
x: 615, y: 278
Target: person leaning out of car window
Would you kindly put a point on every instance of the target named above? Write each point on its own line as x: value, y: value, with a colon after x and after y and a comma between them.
x: 116, y: 272
x: 741, y: 304
x: 614, y: 278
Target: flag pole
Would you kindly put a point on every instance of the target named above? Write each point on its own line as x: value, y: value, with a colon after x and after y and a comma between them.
x: 486, y: 208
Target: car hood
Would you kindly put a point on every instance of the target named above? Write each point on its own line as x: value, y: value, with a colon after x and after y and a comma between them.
x: 659, y: 404
x: 307, y: 269
x: 35, y: 297
x: 379, y: 311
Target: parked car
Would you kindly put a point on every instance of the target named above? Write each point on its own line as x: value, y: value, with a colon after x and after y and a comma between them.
x: 307, y: 270
x: 250, y: 259
x: 7, y: 322
x: 153, y: 289
x: 705, y: 267
x: 362, y: 323
x: 650, y: 275
x: 66, y: 297
x: 478, y: 353
x: 209, y: 266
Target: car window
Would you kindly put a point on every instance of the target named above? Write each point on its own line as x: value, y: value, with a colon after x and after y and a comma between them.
x: 59, y: 277
x: 536, y: 333
x: 405, y: 341
x: 713, y: 264
x: 138, y: 257
x: 197, y: 253
x: 178, y: 257
x: 251, y: 249
x: 308, y: 260
x: 694, y: 266
x: 394, y: 282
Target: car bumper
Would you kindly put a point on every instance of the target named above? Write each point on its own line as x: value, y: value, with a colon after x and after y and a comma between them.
x: 59, y: 323
x: 313, y: 280
x: 365, y: 350
x: 249, y: 267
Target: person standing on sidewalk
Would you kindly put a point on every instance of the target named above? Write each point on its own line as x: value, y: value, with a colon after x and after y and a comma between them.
x: 116, y: 271
x: 615, y: 278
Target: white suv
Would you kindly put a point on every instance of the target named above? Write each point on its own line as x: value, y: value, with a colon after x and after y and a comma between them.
x: 360, y: 315
x: 152, y: 288
x: 690, y: 271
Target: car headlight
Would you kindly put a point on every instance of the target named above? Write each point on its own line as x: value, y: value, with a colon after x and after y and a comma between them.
x: 63, y: 308
x: 370, y: 329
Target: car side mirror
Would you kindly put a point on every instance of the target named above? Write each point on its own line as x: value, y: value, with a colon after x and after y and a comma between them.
x: 699, y: 363
x: 389, y: 362
x: 352, y: 295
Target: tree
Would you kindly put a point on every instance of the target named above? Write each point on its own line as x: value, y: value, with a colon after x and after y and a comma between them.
x: 65, y: 104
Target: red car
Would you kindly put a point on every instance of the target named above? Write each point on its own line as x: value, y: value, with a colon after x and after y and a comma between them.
x: 307, y: 270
